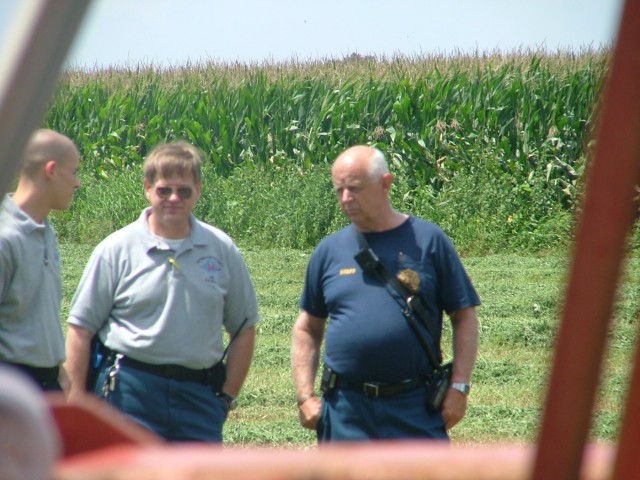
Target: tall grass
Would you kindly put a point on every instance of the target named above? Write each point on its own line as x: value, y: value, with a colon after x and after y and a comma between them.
x: 521, y: 300
x: 491, y: 147
x: 486, y: 140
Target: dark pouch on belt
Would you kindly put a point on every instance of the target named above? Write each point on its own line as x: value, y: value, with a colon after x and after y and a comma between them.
x: 437, y: 386
x: 96, y: 356
x: 218, y: 375
x: 328, y: 380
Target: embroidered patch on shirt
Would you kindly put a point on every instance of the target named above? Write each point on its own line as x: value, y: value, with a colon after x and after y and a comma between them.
x: 347, y: 271
x: 210, y: 265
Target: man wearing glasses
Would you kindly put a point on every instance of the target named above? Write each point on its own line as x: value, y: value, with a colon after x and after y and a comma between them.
x: 153, y: 301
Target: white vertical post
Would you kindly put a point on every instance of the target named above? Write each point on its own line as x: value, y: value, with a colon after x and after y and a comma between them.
x: 30, y: 61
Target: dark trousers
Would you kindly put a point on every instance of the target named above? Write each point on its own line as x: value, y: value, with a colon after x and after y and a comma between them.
x: 174, y: 409
x: 349, y: 415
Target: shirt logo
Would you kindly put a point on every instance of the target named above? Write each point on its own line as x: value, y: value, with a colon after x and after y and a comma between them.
x: 210, y: 265
x: 347, y: 271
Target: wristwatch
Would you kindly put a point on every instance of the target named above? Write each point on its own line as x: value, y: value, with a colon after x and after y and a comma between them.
x: 463, y: 388
x: 231, y: 402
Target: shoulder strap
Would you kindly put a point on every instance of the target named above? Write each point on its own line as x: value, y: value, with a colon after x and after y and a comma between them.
x: 412, y: 306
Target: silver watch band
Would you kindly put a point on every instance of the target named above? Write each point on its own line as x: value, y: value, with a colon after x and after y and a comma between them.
x: 464, y: 388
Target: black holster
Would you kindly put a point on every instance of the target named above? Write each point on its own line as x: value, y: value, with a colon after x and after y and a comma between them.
x: 218, y: 376
x: 437, y: 386
x: 328, y: 380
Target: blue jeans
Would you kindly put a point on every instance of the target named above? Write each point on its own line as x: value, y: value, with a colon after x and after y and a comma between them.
x: 175, y: 410
x: 348, y: 415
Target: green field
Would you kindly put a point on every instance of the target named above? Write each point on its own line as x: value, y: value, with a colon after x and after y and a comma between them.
x: 521, y: 298
x: 493, y: 148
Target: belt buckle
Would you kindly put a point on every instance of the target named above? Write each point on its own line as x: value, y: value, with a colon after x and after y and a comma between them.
x: 371, y: 389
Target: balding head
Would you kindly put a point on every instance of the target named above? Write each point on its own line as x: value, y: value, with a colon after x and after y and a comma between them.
x: 48, y: 176
x: 362, y: 182
x: 363, y: 157
x: 45, y: 145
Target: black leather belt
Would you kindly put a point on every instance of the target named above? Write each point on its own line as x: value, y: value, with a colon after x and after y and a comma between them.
x: 371, y: 389
x: 175, y: 372
x: 40, y: 374
x: 375, y: 389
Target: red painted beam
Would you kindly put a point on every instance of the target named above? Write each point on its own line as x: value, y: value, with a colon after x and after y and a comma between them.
x: 364, y: 461
x: 94, y: 425
x: 607, y: 217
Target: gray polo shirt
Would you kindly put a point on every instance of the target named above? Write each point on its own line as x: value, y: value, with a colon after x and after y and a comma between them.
x: 30, y: 290
x: 165, y: 306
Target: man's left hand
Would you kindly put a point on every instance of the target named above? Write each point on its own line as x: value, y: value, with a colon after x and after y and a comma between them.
x: 454, y: 407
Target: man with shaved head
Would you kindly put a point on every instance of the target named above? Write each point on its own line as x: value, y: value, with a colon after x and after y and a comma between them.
x: 374, y: 379
x: 31, y: 335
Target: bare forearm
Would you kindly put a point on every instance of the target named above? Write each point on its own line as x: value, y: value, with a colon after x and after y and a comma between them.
x: 78, y: 346
x: 308, y: 333
x: 305, y: 353
x: 239, y: 361
x: 63, y: 379
x: 305, y: 362
x: 465, y: 344
x: 465, y: 350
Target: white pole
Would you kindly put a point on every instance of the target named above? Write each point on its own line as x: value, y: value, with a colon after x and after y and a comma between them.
x: 34, y: 51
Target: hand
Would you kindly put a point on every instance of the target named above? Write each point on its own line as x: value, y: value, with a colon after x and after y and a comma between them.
x: 454, y: 407
x: 76, y: 395
x: 309, y: 412
x: 64, y: 381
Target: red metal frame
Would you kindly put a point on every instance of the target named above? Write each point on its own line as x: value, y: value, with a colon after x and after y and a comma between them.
x: 98, y: 446
x: 609, y: 212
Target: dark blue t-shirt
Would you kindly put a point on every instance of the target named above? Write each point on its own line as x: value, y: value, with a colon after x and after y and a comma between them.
x: 367, y: 336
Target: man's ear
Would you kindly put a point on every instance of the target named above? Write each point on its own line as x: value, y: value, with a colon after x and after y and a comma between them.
x: 147, y: 187
x: 387, y: 180
x: 49, y: 168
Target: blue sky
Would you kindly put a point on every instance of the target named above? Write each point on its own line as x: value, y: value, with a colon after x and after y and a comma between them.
x: 172, y: 32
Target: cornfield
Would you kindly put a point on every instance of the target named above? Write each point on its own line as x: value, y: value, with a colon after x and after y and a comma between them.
x: 524, y: 116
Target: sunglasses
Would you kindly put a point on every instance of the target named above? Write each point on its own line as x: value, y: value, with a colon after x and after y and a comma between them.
x: 183, y: 192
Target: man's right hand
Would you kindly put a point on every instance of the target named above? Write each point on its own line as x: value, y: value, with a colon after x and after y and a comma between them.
x: 309, y: 412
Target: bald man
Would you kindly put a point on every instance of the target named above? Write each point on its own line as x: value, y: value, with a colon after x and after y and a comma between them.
x: 31, y: 335
x: 375, y: 367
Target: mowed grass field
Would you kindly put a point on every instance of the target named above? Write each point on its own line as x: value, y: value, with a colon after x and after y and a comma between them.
x: 522, y: 299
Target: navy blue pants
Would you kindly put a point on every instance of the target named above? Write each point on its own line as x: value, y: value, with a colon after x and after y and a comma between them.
x: 348, y: 415
x: 175, y: 410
